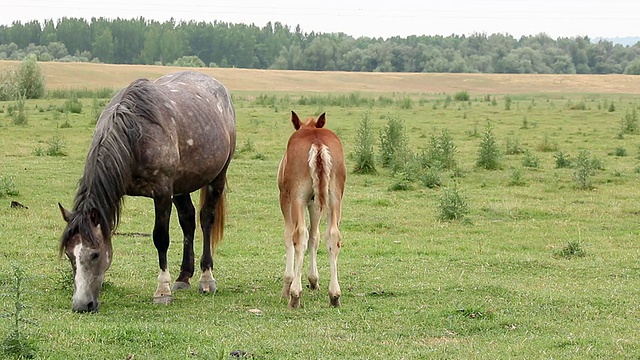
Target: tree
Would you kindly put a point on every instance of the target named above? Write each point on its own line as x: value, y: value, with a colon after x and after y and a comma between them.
x: 30, y: 79
x: 633, y: 68
x: 103, y: 47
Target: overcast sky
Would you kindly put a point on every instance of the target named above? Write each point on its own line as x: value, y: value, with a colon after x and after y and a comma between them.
x: 373, y: 18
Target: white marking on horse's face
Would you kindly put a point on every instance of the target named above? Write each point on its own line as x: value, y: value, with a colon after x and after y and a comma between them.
x: 80, y: 278
x: 88, y: 276
x: 190, y: 142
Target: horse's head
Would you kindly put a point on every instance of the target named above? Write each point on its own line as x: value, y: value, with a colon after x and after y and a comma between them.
x: 309, y: 123
x: 89, y: 252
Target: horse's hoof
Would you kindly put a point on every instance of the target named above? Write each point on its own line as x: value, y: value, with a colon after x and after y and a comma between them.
x: 334, y: 301
x: 207, y: 287
x: 180, y: 285
x: 164, y: 300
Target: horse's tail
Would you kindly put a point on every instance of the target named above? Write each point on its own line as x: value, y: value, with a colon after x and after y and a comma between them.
x: 320, y: 170
x: 219, y: 216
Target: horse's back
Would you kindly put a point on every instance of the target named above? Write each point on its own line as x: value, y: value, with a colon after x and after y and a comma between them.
x: 193, y: 138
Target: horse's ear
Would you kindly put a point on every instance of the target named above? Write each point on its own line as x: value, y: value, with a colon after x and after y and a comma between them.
x: 66, y: 214
x: 295, y: 120
x: 321, y: 121
x: 95, y: 217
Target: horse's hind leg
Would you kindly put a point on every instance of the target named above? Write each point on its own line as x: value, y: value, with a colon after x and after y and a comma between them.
x: 187, y: 218
x: 211, y: 217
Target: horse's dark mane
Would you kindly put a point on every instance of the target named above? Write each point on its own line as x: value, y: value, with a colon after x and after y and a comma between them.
x: 110, y: 161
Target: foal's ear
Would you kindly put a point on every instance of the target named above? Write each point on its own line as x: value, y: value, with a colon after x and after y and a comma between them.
x: 66, y: 214
x: 295, y: 120
x: 321, y: 121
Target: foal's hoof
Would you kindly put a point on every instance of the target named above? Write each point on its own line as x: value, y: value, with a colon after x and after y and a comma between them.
x: 207, y: 287
x: 180, y: 285
x: 334, y: 301
x: 294, y: 302
x: 164, y: 300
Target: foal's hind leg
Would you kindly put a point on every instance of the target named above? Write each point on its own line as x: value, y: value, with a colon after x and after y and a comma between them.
x: 333, y: 238
x: 213, y: 193
x: 187, y: 218
x: 314, y: 239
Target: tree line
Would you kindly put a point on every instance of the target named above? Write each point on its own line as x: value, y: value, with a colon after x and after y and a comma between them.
x: 277, y: 46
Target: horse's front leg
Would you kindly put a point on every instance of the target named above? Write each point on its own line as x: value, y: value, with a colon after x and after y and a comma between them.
x: 161, y: 241
x: 187, y: 218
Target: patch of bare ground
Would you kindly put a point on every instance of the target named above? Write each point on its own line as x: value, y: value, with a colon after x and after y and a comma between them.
x: 94, y: 76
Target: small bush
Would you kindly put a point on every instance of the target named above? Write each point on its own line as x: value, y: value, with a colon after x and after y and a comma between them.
x: 441, y: 151
x: 56, y: 147
x: 394, y: 145
x: 572, y: 249
x: 546, y: 145
x: 431, y: 178
x: 7, y: 187
x: 584, y: 170
x: 562, y: 160
x: 364, y: 154
x: 516, y: 178
x: 18, y: 344
x: 513, y: 147
x: 612, y: 107
x: 488, y: 152
x: 453, y: 206
x: 507, y: 103
x: 73, y: 106
x: 530, y: 160
x: 18, y: 113
x: 620, y: 151
x: 461, y: 96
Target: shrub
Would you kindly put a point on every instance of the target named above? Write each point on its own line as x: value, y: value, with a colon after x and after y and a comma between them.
x: 562, y: 160
x: 441, y: 151
x: 453, y: 206
x: 530, y: 160
x: 488, y: 152
x: 431, y: 178
x: 7, y: 186
x: 461, y: 96
x: 18, y: 344
x: 546, y: 145
x: 394, y: 145
x: 19, y: 114
x: 516, y: 178
x: 73, y: 105
x: 363, y: 154
x: 513, y: 147
x: 584, y: 170
x: 620, y: 151
x: 572, y: 249
x: 189, y: 61
x: 507, y: 103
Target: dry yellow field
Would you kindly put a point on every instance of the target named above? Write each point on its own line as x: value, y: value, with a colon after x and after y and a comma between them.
x: 94, y: 76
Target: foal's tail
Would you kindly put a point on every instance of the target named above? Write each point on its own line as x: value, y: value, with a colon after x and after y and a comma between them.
x: 320, y: 170
x: 219, y: 216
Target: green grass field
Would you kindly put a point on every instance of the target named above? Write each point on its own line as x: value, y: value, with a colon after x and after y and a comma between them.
x: 493, y: 286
